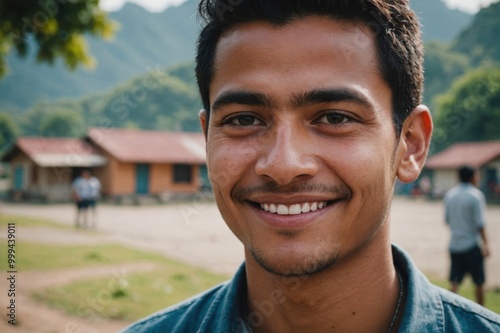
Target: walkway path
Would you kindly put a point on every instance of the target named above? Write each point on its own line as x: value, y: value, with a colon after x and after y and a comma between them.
x: 195, y: 233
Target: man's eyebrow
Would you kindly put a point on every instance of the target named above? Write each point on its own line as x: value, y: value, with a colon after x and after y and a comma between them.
x: 242, y: 97
x: 331, y: 95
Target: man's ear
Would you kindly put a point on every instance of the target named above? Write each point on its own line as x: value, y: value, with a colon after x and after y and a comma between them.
x: 203, y: 121
x: 414, y: 144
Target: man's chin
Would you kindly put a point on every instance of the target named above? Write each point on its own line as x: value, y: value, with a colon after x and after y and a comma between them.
x: 301, y: 266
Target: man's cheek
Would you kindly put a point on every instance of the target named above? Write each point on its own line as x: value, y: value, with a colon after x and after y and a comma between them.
x: 223, y: 172
x: 228, y: 165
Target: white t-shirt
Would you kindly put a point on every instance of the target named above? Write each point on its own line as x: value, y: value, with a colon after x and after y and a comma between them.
x: 87, y: 189
x: 464, y: 205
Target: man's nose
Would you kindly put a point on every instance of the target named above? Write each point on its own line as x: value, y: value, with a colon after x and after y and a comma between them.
x: 287, y: 155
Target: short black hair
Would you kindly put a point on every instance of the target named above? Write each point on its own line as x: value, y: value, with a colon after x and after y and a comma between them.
x: 395, y: 26
x: 466, y: 174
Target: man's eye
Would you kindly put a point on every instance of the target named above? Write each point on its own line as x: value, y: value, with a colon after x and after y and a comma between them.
x: 333, y: 118
x: 244, y: 121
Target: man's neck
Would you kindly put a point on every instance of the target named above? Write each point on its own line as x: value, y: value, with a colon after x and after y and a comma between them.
x: 358, y: 295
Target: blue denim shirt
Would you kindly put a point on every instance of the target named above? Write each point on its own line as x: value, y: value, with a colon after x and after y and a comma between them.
x: 222, y: 309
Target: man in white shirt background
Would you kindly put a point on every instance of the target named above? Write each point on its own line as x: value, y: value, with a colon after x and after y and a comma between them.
x: 464, y: 209
x: 86, y: 191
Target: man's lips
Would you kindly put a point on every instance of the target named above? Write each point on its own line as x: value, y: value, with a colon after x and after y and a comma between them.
x: 294, y: 204
x: 292, y: 213
x: 294, y: 209
x: 289, y: 206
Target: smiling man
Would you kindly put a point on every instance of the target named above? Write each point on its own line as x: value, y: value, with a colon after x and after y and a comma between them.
x: 311, y: 112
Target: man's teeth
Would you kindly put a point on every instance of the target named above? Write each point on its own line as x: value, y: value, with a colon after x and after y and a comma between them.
x: 293, y: 209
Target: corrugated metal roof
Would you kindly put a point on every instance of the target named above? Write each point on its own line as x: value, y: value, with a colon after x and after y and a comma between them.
x: 59, y: 152
x: 475, y: 154
x: 139, y: 146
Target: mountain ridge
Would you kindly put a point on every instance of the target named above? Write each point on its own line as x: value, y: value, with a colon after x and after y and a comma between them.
x: 165, y: 39
x: 148, y: 40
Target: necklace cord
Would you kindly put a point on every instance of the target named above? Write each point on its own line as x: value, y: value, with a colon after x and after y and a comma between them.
x: 400, y: 301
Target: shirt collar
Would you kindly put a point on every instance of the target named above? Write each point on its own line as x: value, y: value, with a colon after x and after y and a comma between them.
x: 423, y: 310
x: 229, y: 307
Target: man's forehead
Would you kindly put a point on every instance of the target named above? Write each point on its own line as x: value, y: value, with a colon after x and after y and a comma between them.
x: 313, y: 24
x: 315, y: 41
x: 347, y: 41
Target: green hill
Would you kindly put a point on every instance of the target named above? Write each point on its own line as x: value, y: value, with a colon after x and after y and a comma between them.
x: 476, y: 46
x: 438, y: 21
x: 160, y: 100
x: 462, y: 83
x: 144, y: 42
x: 167, y: 99
x: 151, y: 41
x: 480, y: 40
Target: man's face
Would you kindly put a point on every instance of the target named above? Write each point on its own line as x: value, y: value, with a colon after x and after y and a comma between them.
x: 301, y: 146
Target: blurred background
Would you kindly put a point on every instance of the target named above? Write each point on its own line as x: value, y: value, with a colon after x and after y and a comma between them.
x: 68, y: 67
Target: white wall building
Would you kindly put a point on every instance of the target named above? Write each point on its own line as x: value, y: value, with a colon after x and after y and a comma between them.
x: 484, y: 156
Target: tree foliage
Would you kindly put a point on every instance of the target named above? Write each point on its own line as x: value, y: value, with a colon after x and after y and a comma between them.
x: 157, y: 100
x: 167, y: 99
x: 442, y: 67
x: 54, y: 27
x: 470, y: 111
x: 145, y: 41
x: 61, y: 124
x: 8, y: 131
x: 480, y: 39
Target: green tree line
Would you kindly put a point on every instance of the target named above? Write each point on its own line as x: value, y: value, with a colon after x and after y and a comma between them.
x: 158, y: 100
x: 462, y: 80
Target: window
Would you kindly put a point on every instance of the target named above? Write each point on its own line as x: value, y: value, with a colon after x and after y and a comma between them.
x: 183, y: 173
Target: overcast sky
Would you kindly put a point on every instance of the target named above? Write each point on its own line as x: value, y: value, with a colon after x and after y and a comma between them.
x: 469, y: 6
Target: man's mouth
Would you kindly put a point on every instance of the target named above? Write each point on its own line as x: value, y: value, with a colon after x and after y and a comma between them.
x: 294, y: 209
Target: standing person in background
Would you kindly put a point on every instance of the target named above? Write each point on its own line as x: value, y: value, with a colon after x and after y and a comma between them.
x: 464, y: 210
x: 86, y: 192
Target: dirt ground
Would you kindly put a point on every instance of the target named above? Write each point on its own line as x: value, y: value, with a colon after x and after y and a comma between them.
x: 195, y: 233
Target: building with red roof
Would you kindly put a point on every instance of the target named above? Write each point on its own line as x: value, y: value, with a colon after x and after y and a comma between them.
x: 484, y: 156
x: 44, y: 167
x: 127, y: 162
x: 149, y: 162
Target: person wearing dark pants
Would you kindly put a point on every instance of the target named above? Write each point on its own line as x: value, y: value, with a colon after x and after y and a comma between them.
x: 464, y: 210
x: 86, y: 191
